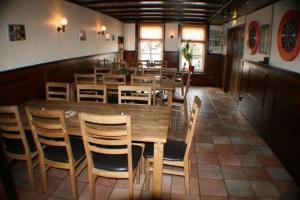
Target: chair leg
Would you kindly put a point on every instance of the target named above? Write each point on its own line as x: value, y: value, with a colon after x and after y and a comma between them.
x: 130, y: 187
x: 30, y: 173
x: 91, y: 185
x: 147, y: 174
x: 43, y: 176
x: 73, y: 183
x: 185, y: 109
x: 182, y: 90
x: 187, y: 178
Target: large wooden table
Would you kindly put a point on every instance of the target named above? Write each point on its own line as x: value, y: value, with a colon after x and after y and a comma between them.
x: 149, y: 124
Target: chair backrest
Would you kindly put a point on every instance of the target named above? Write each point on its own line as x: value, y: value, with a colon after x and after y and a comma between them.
x: 11, y: 128
x: 91, y: 93
x: 143, y: 80
x: 48, y: 128
x: 152, y: 71
x: 106, y: 134
x: 144, y: 63
x: 99, y: 71
x: 114, y: 79
x: 85, y: 78
x: 188, y: 83
x: 134, y: 95
x: 160, y: 63
x: 191, y: 125
x: 58, y: 91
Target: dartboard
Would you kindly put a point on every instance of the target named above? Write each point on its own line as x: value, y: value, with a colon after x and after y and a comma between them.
x: 253, y: 36
x: 288, y: 39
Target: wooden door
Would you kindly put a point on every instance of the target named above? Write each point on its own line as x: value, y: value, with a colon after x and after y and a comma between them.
x: 235, y: 49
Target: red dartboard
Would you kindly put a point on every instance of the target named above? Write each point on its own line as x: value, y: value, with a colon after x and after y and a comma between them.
x: 253, y: 36
x: 288, y: 35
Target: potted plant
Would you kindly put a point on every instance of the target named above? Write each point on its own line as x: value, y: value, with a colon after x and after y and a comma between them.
x: 187, y: 54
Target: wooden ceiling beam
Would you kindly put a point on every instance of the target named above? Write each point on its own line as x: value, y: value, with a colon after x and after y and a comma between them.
x: 177, y: 10
x: 159, y: 13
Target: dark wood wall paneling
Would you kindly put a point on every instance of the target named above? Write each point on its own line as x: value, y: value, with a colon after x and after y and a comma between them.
x: 271, y: 102
x: 22, y: 84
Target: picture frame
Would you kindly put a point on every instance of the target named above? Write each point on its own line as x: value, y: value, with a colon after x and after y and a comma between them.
x: 264, y: 39
x: 107, y: 36
x: 82, y: 35
x: 16, y: 32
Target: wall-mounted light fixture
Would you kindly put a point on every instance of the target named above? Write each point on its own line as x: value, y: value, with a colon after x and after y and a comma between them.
x: 63, y: 23
x: 171, y: 35
x: 102, y: 30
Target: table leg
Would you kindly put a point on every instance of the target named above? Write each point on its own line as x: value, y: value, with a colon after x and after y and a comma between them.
x: 158, y: 168
x: 170, y: 98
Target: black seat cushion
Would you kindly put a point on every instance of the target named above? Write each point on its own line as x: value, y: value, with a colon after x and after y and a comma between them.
x: 117, y: 162
x: 174, y: 150
x: 59, y: 154
x: 16, y: 146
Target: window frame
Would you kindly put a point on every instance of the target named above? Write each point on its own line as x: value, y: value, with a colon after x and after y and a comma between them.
x: 138, y: 27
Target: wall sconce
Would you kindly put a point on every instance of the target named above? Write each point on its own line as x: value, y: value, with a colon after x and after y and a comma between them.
x: 102, y: 30
x: 63, y: 23
x: 172, y: 36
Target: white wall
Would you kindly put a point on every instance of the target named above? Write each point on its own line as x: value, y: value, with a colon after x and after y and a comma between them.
x: 129, y: 36
x: 279, y: 9
x: 263, y: 17
x: 171, y: 44
x: 43, y: 43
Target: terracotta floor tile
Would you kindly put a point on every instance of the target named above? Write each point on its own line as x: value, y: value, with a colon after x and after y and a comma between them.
x: 255, y: 141
x: 288, y: 189
x: 207, y: 159
x: 101, y: 192
x: 212, y: 187
x: 178, y: 185
x: 221, y: 140
x: 264, y: 189
x: 205, y: 148
x: 256, y: 173
x: 64, y: 190
x: 263, y: 151
x: 269, y: 161
x: 244, y: 149
x: 233, y: 173
x: 224, y: 148
x: 249, y: 160
x: 33, y: 196
x: 278, y: 174
x: 239, y: 188
x: 205, y: 197
x: 108, y: 182
x: 210, y: 172
x: 58, y: 173
x: 238, y: 141
x: 229, y: 160
x: 122, y: 194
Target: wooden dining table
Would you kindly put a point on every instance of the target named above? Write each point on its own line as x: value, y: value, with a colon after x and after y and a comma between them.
x: 148, y: 124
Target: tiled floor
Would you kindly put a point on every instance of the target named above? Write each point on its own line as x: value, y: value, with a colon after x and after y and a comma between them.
x: 229, y: 161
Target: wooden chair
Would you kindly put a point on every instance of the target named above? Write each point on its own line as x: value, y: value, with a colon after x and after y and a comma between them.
x: 112, y: 81
x: 108, y: 147
x: 56, y: 149
x: 144, y: 63
x: 100, y: 71
x: 160, y: 64
x: 180, y: 80
x: 58, y: 91
x: 176, y: 152
x: 85, y: 78
x: 180, y: 102
x: 145, y: 80
x: 152, y: 71
x: 91, y: 93
x: 18, y: 143
x: 134, y: 95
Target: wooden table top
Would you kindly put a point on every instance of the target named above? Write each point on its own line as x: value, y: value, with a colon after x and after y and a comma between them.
x: 148, y: 123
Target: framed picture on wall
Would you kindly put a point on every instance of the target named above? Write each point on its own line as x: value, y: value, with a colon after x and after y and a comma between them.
x: 264, y: 39
x: 82, y: 35
x: 16, y: 32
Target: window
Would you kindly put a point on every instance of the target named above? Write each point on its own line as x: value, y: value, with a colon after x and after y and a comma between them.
x: 151, y: 42
x: 196, y: 36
